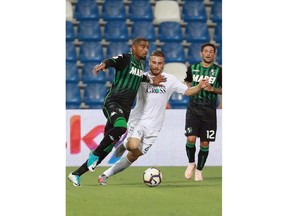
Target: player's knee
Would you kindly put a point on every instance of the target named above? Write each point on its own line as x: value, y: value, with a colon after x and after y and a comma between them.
x: 204, y: 144
x: 191, y: 139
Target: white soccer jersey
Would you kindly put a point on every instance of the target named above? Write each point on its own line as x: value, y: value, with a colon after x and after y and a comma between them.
x: 152, y: 100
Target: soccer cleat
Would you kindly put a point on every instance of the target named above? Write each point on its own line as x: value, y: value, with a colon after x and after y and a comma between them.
x: 103, y: 180
x: 198, y: 175
x: 75, y: 179
x: 189, y: 171
x: 120, y: 150
x: 92, y: 161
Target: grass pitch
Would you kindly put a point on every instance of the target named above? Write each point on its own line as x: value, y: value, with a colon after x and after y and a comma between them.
x: 127, y: 195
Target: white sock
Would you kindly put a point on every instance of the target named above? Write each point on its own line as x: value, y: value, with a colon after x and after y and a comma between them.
x: 119, y: 166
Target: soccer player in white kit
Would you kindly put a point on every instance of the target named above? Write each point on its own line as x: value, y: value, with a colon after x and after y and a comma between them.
x: 147, y: 117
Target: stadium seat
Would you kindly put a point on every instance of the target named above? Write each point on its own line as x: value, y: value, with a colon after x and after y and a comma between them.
x: 219, y: 55
x: 170, y: 32
x: 152, y: 47
x: 218, y: 33
x: 70, y: 35
x: 216, y: 12
x: 73, y: 96
x: 94, y: 94
x: 166, y: 11
x: 113, y: 10
x: 177, y: 69
x: 69, y: 11
x: 140, y: 10
x: 197, y: 32
x: 116, y: 48
x: 194, y: 11
x: 86, y: 10
x: 144, y: 29
x: 72, y: 74
x: 193, y: 55
x: 116, y: 31
x: 174, y: 52
x: 178, y: 101
x: 88, y: 75
x: 91, y: 51
x: 89, y: 30
x: 71, y: 51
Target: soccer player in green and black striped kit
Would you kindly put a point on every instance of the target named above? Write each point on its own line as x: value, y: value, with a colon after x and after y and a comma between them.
x: 118, y: 101
x: 201, y: 119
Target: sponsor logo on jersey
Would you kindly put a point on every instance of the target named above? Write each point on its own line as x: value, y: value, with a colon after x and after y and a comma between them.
x: 156, y: 89
x: 136, y: 71
x: 198, y: 78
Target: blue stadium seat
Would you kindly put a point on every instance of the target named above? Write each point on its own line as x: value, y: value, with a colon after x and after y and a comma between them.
x: 170, y: 32
x: 194, y: 11
x: 116, y: 31
x: 218, y: 33
x: 70, y: 35
x: 73, y: 96
x: 116, y: 48
x: 216, y: 12
x: 91, y: 51
x: 178, y: 101
x: 174, y: 52
x: 86, y: 9
x: 219, y: 55
x: 140, y: 10
x: 89, y: 30
x: 152, y: 47
x: 71, y: 54
x: 113, y: 10
x: 197, y: 32
x: 88, y: 75
x: 144, y: 29
x: 94, y: 95
x: 72, y: 74
x: 193, y: 55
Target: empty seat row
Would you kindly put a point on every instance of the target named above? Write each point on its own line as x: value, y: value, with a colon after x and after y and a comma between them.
x: 94, y: 51
x: 118, y: 31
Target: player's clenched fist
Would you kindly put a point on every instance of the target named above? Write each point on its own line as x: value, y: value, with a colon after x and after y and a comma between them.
x: 98, y: 68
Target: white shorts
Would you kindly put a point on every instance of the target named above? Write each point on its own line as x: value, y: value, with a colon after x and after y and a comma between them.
x: 147, y: 136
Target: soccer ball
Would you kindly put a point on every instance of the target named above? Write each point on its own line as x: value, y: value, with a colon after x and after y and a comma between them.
x: 152, y: 177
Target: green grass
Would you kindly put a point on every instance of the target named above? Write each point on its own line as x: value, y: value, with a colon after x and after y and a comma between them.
x: 127, y: 195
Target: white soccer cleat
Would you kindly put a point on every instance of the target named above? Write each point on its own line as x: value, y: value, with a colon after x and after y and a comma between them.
x: 120, y: 150
x: 75, y: 179
x: 103, y: 180
x: 189, y: 171
x: 198, y: 175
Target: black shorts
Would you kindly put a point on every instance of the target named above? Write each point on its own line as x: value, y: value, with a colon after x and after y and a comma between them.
x: 201, y: 122
x: 113, y: 111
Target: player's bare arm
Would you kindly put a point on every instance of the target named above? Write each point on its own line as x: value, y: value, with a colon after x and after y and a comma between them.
x: 212, y: 89
x: 98, y: 68
x: 157, y: 80
x: 195, y: 89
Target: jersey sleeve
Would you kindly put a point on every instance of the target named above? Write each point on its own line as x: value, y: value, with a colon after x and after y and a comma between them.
x: 188, y: 77
x: 220, y: 77
x: 118, y: 62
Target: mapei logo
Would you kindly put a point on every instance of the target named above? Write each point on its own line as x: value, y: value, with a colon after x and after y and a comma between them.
x: 76, y: 136
x: 136, y: 71
x: 198, y: 78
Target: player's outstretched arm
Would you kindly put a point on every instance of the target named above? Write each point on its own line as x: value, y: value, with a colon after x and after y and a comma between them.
x: 98, y: 68
x: 195, y: 89
x: 157, y: 80
x: 212, y: 89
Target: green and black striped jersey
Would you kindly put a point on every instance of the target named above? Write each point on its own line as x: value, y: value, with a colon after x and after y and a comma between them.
x: 195, y: 73
x: 128, y: 76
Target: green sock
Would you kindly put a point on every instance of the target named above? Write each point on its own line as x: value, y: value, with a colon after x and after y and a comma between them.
x: 202, y: 157
x: 190, y: 151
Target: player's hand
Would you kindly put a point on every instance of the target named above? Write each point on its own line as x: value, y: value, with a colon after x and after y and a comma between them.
x: 98, y: 68
x: 159, y: 79
x: 203, y: 83
x: 209, y: 88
